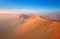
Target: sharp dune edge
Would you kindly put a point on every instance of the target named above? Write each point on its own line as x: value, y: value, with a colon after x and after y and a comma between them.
x: 35, y: 27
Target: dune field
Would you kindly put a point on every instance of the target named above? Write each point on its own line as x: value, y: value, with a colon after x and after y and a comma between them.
x: 28, y: 27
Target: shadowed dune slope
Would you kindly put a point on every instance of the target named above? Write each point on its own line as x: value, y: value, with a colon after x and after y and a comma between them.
x: 38, y: 28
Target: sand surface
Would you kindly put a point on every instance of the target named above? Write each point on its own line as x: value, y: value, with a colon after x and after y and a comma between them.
x: 34, y: 27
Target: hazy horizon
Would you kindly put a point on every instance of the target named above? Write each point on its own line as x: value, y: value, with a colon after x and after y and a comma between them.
x: 14, y: 6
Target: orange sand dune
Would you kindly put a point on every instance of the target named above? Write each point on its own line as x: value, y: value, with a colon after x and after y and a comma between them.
x: 39, y: 28
x: 35, y: 27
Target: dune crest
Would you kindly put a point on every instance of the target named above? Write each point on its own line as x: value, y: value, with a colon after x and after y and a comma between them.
x: 38, y: 28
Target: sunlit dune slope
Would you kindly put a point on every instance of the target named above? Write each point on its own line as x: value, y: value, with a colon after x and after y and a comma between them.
x: 38, y: 28
x: 56, y: 32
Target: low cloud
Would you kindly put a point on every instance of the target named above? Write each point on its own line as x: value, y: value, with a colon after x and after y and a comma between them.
x: 16, y: 11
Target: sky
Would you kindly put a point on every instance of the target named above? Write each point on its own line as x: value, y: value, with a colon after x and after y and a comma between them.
x: 29, y: 5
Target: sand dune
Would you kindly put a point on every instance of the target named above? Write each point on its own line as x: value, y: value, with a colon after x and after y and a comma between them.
x: 34, y: 27
x: 39, y: 28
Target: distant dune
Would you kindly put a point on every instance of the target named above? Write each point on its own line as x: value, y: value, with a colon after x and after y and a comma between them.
x: 52, y: 16
x: 33, y: 27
